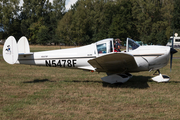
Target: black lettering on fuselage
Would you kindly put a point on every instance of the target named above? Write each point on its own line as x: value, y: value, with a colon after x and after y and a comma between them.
x: 48, y: 64
x: 53, y: 63
x: 64, y: 63
x: 73, y: 62
x: 61, y: 63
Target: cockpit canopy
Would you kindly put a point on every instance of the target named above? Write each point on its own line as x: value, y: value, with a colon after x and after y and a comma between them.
x: 107, y: 45
x: 131, y: 45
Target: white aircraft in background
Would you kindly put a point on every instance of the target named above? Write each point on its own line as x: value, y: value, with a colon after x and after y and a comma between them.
x: 99, y: 57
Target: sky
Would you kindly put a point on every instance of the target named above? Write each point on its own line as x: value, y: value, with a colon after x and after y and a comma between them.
x: 68, y: 3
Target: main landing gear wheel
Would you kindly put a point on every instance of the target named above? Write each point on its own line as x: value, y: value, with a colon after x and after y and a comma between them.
x: 160, y: 77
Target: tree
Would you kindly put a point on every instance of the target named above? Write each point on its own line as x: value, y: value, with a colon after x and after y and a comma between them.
x: 176, y: 16
x: 58, y: 11
x: 42, y: 35
x: 34, y: 29
x: 64, y: 28
x: 34, y: 14
x: 9, y: 17
x: 81, y: 23
x: 152, y: 19
x: 91, y: 20
x: 123, y: 23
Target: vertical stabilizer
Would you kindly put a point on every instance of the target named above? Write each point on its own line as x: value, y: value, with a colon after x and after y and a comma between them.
x: 23, y: 45
x: 10, y: 50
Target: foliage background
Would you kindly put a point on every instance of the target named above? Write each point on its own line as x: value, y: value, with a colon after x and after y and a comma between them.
x: 42, y: 22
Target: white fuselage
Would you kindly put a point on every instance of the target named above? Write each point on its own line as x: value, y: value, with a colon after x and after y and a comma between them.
x: 146, y: 57
x: 151, y: 57
x: 69, y: 58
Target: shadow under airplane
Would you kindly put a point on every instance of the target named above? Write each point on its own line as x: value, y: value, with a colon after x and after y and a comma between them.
x: 135, y: 82
x: 140, y: 82
x: 38, y: 81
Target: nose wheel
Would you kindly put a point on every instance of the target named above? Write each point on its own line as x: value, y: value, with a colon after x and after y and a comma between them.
x: 160, y: 77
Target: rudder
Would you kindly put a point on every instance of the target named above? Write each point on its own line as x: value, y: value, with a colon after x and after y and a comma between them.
x: 23, y: 45
x: 10, y: 50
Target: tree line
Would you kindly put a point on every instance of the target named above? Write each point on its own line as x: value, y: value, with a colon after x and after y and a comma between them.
x: 87, y: 21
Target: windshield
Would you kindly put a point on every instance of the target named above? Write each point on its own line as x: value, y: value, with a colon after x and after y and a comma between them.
x: 131, y: 44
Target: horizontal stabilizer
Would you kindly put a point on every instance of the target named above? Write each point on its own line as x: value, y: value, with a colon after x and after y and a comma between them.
x: 23, y: 54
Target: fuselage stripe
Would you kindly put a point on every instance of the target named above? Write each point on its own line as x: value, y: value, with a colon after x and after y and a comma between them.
x: 59, y: 58
x: 150, y: 55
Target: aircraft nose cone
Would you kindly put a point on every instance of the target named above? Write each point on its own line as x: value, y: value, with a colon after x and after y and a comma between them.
x: 173, y: 51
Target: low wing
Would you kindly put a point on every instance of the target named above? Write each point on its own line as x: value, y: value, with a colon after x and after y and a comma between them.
x: 114, y: 63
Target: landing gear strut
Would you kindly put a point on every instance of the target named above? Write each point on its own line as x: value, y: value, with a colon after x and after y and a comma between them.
x: 155, y: 73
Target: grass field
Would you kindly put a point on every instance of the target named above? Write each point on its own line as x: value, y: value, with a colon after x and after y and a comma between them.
x: 33, y: 92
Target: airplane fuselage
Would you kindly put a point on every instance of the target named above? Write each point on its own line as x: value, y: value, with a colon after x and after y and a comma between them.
x: 146, y: 57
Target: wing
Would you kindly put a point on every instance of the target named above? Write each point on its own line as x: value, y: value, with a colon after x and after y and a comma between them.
x: 114, y: 63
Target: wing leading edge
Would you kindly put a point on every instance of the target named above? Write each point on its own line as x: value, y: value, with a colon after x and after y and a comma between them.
x: 114, y: 63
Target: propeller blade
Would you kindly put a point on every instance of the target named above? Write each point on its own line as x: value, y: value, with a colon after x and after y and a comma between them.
x: 172, y: 46
x: 171, y: 52
x: 171, y: 62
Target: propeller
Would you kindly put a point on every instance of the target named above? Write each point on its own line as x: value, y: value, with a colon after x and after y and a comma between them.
x: 172, y: 51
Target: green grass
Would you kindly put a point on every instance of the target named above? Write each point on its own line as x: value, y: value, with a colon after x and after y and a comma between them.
x: 33, y: 92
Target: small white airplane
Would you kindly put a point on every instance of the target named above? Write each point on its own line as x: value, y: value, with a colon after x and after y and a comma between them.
x: 99, y: 57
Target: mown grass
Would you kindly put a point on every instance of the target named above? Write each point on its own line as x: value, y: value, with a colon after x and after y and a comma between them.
x: 33, y: 92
